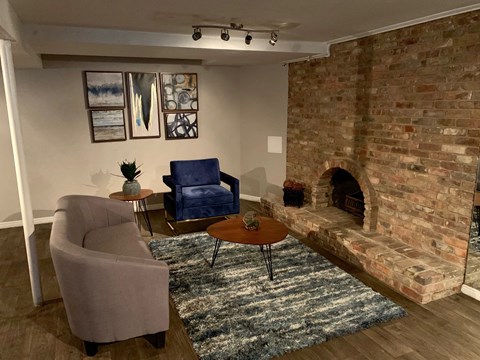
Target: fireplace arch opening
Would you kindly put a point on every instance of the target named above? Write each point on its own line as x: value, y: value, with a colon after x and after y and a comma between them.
x: 321, y: 193
x: 346, y: 193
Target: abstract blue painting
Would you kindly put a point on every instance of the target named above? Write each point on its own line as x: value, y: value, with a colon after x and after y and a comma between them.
x: 104, y: 89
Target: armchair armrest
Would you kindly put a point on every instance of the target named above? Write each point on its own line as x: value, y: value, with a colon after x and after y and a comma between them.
x: 176, y: 193
x: 176, y: 188
x: 168, y: 180
x: 234, y: 185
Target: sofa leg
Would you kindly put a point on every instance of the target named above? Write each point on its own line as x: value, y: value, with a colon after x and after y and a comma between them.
x: 91, y: 348
x: 157, y: 340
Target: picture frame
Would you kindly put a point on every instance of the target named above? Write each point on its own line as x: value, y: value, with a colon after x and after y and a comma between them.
x: 181, y: 125
x: 179, y: 92
x: 143, y: 105
x: 104, y: 89
x: 107, y: 125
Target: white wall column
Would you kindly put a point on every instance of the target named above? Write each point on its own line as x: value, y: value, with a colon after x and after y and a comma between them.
x: 20, y: 169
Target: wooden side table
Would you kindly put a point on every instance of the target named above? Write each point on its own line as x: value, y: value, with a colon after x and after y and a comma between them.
x: 139, y: 200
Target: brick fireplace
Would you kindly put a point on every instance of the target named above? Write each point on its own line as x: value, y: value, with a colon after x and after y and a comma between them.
x: 400, y: 112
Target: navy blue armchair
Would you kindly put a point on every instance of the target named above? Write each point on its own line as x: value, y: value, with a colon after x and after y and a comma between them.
x: 196, y: 191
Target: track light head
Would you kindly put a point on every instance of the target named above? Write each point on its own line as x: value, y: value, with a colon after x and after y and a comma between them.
x: 273, y: 38
x: 248, y: 38
x: 197, y: 34
x: 224, y: 35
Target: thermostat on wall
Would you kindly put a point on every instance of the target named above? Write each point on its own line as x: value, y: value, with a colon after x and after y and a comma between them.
x: 275, y: 144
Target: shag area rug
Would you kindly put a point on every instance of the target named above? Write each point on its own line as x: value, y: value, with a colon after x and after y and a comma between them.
x: 233, y: 310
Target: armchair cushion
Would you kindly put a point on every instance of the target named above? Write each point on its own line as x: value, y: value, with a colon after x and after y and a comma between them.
x: 205, y: 195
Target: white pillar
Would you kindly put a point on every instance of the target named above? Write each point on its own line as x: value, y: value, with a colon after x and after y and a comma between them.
x: 20, y: 169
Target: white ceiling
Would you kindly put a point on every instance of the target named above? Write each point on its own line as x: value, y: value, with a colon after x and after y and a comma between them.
x: 162, y: 29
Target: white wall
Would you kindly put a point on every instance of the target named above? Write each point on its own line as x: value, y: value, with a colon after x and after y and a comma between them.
x: 61, y: 159
x: 264, y: 113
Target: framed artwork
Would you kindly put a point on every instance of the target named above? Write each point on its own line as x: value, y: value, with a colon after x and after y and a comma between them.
x: 107, y: 125
x: 104, y: 89
x: 143, y: 111
x: 179, y: 92
x: 181, y: 125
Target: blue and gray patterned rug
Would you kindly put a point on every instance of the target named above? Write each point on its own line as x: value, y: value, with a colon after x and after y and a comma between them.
x: 234, y: 311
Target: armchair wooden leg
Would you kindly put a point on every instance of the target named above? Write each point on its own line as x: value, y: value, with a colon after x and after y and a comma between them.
x: 157, y: 340
x: 170, y: 224
x: 91, y: 348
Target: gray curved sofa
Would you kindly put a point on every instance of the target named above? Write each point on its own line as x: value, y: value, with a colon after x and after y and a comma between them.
x: 111, y: 286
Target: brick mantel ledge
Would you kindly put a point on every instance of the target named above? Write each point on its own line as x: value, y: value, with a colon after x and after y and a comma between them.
x: 418, y: 275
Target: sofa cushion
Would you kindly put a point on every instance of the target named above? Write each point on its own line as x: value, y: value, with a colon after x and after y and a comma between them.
x: 194, y: 196
x: 121, y: 239
x: 195, y: 172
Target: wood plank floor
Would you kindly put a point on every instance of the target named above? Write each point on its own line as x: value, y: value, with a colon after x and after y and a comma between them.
x: 445, y: 329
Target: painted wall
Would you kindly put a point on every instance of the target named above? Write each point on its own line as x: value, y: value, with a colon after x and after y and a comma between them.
x: 264, y: 113
x: 61, y: 159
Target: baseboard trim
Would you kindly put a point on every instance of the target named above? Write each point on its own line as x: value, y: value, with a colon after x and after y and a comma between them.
x: 250, y: 197
x: 49, y: 219
x: 18, y: 223
x: 155, y: 206
x: 472, y: 292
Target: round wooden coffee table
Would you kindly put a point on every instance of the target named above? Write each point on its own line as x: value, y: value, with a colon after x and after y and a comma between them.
x: 232, y: 230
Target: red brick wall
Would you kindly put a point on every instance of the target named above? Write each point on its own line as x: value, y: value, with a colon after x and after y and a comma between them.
x: 404, y: 106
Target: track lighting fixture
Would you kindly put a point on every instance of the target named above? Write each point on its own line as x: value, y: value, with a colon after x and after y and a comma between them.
x: 273, y: 38
x: 248, y: 38
x: 225, y: 36
x: 197, y: 34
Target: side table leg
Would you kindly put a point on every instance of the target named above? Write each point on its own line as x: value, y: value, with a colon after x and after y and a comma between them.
x: 143, y: 209
x: 267, y: 258
x: 218, y: 242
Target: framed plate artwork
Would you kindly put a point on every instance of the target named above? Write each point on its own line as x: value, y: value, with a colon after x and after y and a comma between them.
x: 107, y: 125
x: 143, y: 100
x: 181, y: 125
x: 179, y: 92
x: 104, y: 89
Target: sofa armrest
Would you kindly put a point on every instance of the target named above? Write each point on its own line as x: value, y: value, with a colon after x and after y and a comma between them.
x: 234, y: 185
x: 123, y: 211
x: 94, y: 212
x: 112, y: 297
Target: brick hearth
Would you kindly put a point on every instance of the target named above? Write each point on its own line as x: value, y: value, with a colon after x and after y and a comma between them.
x: 417, y: 274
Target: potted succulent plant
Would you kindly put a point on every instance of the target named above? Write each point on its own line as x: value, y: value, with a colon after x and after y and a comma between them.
x: 131, y: 172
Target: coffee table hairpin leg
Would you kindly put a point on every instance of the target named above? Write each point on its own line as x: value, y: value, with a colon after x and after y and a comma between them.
x: 267, y: 257
x: 266, y: 253
x: 218, y: 242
